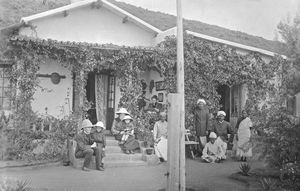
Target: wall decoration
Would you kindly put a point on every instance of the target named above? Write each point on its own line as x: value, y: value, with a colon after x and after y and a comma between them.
x: 54, y: 77
x: 160, y: 97
x: 151, y: 86
x: 160, y: 85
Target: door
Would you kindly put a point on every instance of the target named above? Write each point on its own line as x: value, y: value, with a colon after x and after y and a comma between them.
x: 224, y: 92
x: 105, y: 98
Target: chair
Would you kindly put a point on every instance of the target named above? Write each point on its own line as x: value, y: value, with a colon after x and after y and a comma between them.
x: 190, y: 143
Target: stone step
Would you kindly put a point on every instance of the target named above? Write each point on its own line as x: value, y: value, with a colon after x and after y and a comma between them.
x: 78, y: 163
x: 113, y: 149
x: 110, y: 137
x: 122, y: 156
x: 111, y: 142
x: 124, y: 163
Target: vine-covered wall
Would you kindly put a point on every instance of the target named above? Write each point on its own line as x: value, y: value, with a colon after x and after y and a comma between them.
x: 207, y: 65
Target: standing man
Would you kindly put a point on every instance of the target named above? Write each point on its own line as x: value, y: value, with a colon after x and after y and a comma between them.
x: 160, y: 135
x: 222, y: 128
x: 86, y: 148
x: 201, y: 122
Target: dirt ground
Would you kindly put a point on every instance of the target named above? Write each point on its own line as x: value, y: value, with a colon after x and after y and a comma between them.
x: 200, y: 176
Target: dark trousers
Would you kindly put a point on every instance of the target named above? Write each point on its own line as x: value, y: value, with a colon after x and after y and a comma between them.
x: 88, y: 155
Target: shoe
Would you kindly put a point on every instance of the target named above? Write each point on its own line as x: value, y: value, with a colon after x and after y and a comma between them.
x: 86, y: 169
x: 162, y: 160
x: 100, y: 168
x: 127, y: 152
x: 131, y: 152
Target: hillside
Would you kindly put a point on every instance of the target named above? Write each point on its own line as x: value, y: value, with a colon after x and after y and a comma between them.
x: 165, y: 21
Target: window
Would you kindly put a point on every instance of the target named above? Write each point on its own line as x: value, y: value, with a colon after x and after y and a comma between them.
x: 5, y: 87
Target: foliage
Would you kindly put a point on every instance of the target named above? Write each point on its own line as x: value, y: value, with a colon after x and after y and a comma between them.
x: 12, y: 185
x: 143, y: 128
x: 268, y: 184
x: 23, y: 140
x: 245, y: 169
x: 12, y: 11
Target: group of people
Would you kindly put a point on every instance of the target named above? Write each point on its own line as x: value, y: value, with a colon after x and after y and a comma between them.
x: 221, y: 134
x: 91, y: 141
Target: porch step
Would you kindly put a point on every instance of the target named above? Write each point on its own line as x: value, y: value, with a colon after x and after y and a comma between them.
x: 112, y: 142
x: 111, y: 164
x: 124, y: 163
x: 113, y: 149
x: 122, y: 156
x: 108, y: 137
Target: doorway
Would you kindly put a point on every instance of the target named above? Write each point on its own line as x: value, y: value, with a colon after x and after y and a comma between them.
x: 224, y: 92
x: 100, y: 92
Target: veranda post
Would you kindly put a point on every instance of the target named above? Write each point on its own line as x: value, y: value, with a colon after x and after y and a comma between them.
x: 176, y: 119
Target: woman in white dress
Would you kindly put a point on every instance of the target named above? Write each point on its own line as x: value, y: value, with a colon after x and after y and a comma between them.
x: 244, y: 146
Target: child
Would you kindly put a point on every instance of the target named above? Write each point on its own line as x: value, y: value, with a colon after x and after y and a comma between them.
x: 212, y: 151
x: 98, y: 136
x: 128, y: 131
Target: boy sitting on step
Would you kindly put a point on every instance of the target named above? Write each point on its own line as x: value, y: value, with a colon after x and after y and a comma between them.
x: 98, y: 136
x: 128, y: 129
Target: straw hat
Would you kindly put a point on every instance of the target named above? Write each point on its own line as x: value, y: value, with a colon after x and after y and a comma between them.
x: 213, y: 135
x: 122, y: 110
x: 127, y: 117
x: 99, y: 124
x: 221, y: 113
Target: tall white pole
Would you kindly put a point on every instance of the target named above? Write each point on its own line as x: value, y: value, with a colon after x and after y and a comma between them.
x: 180, y: 91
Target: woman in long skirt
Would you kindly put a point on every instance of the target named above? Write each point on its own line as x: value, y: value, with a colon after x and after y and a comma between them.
x: 244, y: 146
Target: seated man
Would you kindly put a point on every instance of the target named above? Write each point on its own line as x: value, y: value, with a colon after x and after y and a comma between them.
x: 86, y: 147
x: 222, y: 128
x: 212, y: 151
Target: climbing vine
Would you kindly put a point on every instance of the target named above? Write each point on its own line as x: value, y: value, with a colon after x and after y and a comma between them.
x: 207, y: 65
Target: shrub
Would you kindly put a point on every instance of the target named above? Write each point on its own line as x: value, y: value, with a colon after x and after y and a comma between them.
x: 282, y: 139
x: 22, y: 141
x: 245, y: 169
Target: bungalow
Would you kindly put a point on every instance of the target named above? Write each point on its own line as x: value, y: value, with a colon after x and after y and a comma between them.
x: 112, y: 24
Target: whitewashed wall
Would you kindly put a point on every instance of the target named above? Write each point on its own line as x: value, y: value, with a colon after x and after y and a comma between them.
x: 56, y: 97
x: 90, y: 25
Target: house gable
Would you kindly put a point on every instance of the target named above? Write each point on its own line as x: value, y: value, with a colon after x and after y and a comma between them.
x: 103, y: 25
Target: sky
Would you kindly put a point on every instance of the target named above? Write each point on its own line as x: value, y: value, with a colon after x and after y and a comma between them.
x: 256, y: 17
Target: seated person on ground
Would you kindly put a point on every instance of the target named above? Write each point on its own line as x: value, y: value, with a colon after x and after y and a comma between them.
x: 86, y: 147
x: 222, y: 128
x: 212, y: 151
x: 98, y: 136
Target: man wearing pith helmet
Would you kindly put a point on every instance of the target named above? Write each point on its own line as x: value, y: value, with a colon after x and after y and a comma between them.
x: 86, y: 147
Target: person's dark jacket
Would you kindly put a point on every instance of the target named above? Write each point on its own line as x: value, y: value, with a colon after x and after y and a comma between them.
x: 84, y: 141
x: 201, y: 120
x: 99, y: 137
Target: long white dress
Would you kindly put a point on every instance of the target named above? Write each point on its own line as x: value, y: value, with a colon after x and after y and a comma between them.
x: 244, y: 147
x: 160, y: 133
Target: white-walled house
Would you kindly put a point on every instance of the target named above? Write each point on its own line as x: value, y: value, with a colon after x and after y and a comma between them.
x: 102, y: 22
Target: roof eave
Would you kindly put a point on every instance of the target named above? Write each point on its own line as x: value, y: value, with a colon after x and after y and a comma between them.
x: 234, y: 44
x: 110, y: 6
